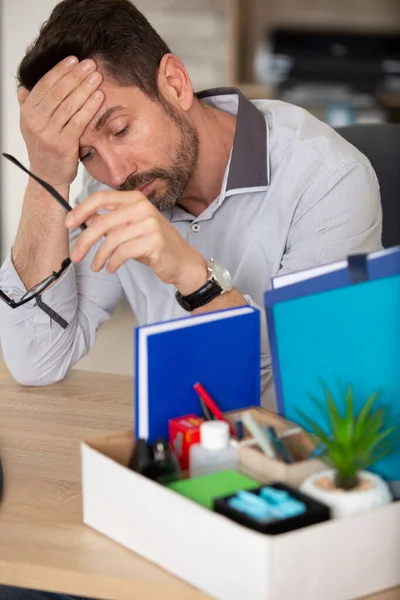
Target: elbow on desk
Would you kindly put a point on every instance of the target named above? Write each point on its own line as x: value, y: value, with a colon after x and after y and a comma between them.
x: 28, y: 376
x: 34, y: 381
x: 30, y: 369
x: 37, y: 362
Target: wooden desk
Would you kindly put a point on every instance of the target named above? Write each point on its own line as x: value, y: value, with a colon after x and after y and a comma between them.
x: 43, y: 543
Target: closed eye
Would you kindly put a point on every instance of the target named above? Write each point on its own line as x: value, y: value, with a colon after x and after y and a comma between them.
x: 122, y: 132
x: 87, y: 156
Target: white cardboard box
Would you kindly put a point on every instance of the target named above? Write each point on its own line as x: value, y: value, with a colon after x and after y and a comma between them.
x: 336, y: 560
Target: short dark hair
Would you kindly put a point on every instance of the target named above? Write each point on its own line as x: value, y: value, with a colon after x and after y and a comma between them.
x: 114, y: 32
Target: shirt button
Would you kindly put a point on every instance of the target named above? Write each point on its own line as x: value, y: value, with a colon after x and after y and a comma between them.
x: 196, y: 227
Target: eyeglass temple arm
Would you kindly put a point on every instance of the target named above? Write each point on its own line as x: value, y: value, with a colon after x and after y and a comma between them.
x: 44, y: 184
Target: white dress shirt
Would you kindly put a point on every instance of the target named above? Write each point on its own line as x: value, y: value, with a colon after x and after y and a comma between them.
x: 295, y: 194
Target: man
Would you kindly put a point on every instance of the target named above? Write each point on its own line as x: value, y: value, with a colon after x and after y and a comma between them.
x: 262, y: 187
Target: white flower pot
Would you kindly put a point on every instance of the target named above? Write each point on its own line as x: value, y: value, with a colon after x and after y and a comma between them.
x: 373, y: 492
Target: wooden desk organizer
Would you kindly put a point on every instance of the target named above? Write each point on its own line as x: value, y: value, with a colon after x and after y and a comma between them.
x: 258, y: 465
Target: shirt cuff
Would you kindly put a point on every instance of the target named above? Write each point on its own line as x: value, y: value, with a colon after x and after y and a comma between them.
x: 10, y: 281
x: 61, y: 297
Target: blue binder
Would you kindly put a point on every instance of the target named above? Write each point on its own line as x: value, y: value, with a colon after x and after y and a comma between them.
x: 219, y: 349
x: 341, y: 328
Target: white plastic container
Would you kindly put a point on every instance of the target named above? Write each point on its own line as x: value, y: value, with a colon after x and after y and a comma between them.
x: 239, y: 563
x: 215, y: 452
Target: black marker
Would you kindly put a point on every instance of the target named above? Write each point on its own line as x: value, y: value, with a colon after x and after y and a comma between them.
x: 207, y: 414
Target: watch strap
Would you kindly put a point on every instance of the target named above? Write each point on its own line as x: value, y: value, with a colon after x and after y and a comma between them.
x: 210, y: 290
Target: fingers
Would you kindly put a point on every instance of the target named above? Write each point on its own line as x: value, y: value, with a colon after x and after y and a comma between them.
x: 22, y: 94
x: 48, y: 109
x: 138, y: 249
x: 46, y: 83
x: 58, y: 98
x: 121, y: 235
x: 103, y: 226
x: 66, y: 95
x: 80, y: 120
x: 106, y: 201
x: 132, y: 218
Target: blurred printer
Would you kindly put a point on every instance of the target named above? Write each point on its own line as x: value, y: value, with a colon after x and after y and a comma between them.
x: 297, y: 59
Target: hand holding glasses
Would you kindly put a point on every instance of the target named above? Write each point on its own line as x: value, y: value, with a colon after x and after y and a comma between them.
x: 37, y: 289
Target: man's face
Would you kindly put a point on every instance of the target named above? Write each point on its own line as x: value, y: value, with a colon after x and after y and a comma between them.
x: 136, y: 143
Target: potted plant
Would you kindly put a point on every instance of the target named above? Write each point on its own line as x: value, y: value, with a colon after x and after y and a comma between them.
x: 354, y: 443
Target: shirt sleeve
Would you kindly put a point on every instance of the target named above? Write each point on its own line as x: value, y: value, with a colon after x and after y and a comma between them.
x: 37, y: 349
x: 340, y: 214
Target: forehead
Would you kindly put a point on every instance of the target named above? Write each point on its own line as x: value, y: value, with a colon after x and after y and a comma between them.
x: 128, y: 98
x: 116, y: 100
x: 117, y: 94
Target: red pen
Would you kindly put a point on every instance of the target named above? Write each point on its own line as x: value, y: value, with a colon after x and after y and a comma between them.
x: 205, y: 396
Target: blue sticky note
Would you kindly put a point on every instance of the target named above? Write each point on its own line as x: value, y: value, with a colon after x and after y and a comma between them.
x: 274, y: 496
x: 257, y: 512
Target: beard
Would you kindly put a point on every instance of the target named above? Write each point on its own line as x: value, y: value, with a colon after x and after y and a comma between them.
x: 178, y: 175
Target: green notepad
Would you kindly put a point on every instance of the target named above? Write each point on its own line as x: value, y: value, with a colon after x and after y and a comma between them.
x: 205, y: 488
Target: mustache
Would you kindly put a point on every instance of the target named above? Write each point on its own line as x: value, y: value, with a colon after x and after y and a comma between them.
x: 135, y: 181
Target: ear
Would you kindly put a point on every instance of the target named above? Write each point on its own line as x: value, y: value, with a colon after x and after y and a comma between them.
x: 174, y: 82
x: 22, y: 94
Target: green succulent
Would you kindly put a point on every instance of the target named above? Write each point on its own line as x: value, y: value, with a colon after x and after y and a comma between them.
x: 355, y: 442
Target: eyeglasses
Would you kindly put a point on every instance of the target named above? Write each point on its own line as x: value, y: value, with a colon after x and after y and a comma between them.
x: 39, y: 288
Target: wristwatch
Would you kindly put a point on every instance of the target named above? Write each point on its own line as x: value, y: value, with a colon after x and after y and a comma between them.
x: 219, y: 282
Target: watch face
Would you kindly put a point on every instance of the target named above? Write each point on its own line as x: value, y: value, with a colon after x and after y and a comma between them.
x: 222, y: 277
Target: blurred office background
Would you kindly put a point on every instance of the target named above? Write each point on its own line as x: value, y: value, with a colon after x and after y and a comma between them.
x: 339, y: 59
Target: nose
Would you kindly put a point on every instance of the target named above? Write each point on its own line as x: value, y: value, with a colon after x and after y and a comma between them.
x: 117, y: 170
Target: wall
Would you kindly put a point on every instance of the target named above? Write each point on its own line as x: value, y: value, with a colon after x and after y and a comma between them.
x: 20, y: 21
x: 195, y: 29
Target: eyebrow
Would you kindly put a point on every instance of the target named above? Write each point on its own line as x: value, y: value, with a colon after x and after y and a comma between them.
x: 104, y: 118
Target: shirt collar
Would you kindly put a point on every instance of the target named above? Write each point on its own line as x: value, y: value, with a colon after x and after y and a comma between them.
x: 249, y: 164
x: 248, y: 168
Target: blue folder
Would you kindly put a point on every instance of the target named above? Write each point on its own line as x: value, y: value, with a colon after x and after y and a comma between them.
x: 220, y: 349
x: 340, y: 328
